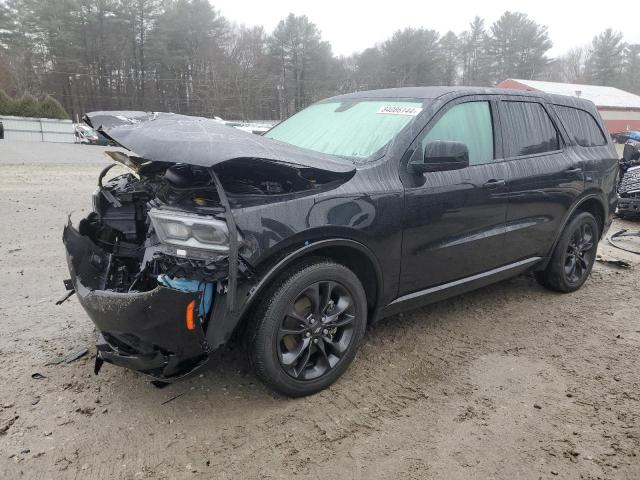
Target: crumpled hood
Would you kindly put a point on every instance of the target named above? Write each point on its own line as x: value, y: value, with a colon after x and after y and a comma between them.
x: 169, y: 137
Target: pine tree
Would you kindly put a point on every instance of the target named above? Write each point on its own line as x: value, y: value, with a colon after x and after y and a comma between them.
x: 26, y: 106
x: 413, y: 57
x: 450, y: 48
x: 6, y: 103
x: 473, y: 52
x: 518, y: 46
x: 631, y: 69
x: 301, y: 62
x: 49, y: 107
x: 606, y: 59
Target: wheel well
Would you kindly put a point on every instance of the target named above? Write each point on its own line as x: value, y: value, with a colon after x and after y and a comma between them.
x: 591, y: 205
x: 595, y: 208
x: 359, y: 263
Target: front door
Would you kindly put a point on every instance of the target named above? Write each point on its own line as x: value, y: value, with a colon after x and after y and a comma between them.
x: 454, y: 220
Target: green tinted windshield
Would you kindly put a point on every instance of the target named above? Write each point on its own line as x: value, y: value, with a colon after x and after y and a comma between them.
x: 349, y: 129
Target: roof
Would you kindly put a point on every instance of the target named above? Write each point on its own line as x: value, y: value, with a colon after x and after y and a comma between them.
x: 601, y: 96
x: 425, y: 93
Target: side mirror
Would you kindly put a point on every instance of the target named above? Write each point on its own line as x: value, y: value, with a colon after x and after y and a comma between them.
x: 442, y: 155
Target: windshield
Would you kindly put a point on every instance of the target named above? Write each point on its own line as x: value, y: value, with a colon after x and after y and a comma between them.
x: 353, y: 128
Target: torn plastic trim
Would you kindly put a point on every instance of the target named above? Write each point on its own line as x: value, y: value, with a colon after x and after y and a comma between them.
x: 205, y: 289
x: 144, y: 331
x: 173, y: 138
x: 138, y: 166
x: 233, y: 242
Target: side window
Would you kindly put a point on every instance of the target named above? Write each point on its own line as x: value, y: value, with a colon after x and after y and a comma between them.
x: 581, y: 126
x: 527, y: 129
x: 469, y: 123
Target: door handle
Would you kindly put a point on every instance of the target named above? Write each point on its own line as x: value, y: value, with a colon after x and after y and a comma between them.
x: 573, y: 170
x: 493, y: 184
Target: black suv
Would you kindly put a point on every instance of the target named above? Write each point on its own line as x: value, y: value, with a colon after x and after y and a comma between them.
x: 356, y: 208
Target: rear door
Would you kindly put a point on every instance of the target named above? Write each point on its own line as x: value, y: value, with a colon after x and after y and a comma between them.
x: 454, y: 220
x: 545, y: 177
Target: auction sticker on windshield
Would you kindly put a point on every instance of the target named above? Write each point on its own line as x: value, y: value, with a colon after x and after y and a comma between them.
x: 397, y: 110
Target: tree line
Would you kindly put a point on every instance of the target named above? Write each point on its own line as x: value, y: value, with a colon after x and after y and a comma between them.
x: 184, y: 56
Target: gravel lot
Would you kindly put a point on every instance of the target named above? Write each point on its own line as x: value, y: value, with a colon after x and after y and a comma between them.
x: 510, y: 381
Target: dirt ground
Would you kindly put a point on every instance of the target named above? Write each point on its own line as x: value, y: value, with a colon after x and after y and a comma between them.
x: 510, y: 381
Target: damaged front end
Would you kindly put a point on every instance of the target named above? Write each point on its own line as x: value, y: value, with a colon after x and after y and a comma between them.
x: 159, y: 265
x: 149, y: 275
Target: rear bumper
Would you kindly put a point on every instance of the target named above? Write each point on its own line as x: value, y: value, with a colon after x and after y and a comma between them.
x: 143, y: 331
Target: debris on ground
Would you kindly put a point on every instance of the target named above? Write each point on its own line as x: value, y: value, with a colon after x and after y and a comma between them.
x: 65, y: 297
x: 71, y: 357
x: 173, y: 398
x: 7, y: 425
x: 616, y: 262
x: 85, y: 410
x: 614, y: 240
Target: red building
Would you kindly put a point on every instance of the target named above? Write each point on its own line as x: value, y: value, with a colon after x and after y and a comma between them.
x: 620, y: 110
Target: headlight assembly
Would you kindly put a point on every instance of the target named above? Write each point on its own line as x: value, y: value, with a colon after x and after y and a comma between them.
x: 190, y: 231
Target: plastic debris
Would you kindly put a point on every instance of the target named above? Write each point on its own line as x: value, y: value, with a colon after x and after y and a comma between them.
x: 71, y: 357
x: 613, y: 261
x: 172, y: 398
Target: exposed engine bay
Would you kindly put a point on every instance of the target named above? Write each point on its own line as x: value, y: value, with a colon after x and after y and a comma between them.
x: 121, y: 225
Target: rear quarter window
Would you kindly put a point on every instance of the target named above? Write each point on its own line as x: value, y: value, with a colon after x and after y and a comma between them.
x: 582, y: 127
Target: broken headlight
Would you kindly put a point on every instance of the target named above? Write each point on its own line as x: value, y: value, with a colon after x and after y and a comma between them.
x: 190, y: 231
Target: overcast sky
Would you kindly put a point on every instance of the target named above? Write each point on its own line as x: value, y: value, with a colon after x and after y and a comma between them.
x: 353, y: 25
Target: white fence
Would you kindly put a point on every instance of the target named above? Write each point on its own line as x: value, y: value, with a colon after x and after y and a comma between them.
x: 38, y: 129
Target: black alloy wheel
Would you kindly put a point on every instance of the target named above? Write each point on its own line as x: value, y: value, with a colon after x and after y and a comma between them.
x: 316, y: 330
x: 573, y: 256
x: 307, y: 327
x: 578, y: 259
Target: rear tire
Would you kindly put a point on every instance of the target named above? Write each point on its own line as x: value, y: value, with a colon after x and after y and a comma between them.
x: 307, y: 328
x: 573, y: 256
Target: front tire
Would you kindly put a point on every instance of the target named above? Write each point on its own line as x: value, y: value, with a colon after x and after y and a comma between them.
x: 307, y: 328
x: 573, y: 256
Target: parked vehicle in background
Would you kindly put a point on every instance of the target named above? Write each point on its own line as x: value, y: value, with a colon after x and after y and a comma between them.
x: 256, y: 128
x: 356, y: 208
x: 87, y: 135
x: 622, y: 137
x: 629, y: 184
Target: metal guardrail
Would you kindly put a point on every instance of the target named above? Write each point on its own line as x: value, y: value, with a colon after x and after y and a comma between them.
x: 38, y: 129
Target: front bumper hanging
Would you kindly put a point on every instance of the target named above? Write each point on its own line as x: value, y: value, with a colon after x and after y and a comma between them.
x: 144, y: 331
